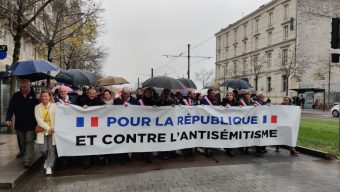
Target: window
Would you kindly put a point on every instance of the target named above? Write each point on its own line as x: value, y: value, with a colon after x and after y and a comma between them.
x: 235, y: 50
x: 256, y: 25
x: 244, y: 66
x: 256, y: 62
x: 285, y: 57
x: 270, y: 19
x: 285, y: 32
x: 245, y: 30
x: 244, y: 47
x: 226, y: 39
x: 284, y: 83
x: 286, y: 11
x: 226, y: 53
x: 269, y: 60
x: 219, y: 43
x: 270, y: 37
x: 269, y: 84
x: 256, y: 42
x: 235, y: 35
x: 218, y: 55
x: 235, y: 68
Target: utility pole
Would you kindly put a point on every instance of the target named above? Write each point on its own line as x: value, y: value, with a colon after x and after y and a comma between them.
x: 188, y: 56
x: 138, y: 82
x: 151, y: 72
x: 188, y: 61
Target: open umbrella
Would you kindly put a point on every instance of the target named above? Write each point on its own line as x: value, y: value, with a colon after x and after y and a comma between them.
x: 32, y: 66
x: 236, y: 84
x: 163, y: 82
x: 188, y: 83
x: 76, y: 77
x: 36, y: 76
x: 111, y: 80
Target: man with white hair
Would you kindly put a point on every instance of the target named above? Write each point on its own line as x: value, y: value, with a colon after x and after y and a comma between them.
x: 63, y: 97
x: 22, y: 106
x: 125, y: 99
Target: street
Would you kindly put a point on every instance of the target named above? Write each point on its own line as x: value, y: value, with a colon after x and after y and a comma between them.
x: 273, y: 172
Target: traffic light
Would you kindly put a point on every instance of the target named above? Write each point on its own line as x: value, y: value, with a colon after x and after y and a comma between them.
x: 335, y: 41
x: 335, y: 58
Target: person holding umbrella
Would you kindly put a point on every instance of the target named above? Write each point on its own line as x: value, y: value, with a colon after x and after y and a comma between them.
x: 166, y: 100
x: 147, y: 99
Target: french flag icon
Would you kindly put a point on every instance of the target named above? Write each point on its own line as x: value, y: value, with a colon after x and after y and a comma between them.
x: 80, y: 122
x: 273, y: 119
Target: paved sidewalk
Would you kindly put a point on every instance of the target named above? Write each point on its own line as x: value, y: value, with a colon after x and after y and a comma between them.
x: 318, y: 176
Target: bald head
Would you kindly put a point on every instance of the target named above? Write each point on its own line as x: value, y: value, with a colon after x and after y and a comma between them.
x: 62, y: 91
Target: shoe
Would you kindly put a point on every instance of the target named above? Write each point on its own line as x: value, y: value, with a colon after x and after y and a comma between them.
x: 45, y: 164
x: 231, y: 154
x: 48, y: 171
x: 27, y: 164
x: 86, y: 165
x: 165, y: 157
x: 19, y: 155
x: 124, y: 161
x: 294, y: 153
x: 207, y: 153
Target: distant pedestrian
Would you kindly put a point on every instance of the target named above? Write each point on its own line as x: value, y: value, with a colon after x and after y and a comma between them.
x: 22, y: 106
x: 302, y: 102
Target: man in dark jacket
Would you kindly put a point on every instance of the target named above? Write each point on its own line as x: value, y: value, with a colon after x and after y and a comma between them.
x: 90, y: 99
x: 125, y: 99
x: 22, y: 106
x: 209, y: 100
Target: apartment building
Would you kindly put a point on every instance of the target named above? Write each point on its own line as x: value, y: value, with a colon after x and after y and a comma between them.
x: 283, y: 45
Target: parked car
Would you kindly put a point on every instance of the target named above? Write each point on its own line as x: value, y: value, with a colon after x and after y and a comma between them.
x: 335, y: 111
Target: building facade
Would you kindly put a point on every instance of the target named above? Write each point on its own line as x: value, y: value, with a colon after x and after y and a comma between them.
x: 282, y: 45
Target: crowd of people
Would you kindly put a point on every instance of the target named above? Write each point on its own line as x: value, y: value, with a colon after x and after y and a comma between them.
x: 34, y: 118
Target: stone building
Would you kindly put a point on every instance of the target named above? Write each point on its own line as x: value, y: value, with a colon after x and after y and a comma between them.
x: 283, y: 45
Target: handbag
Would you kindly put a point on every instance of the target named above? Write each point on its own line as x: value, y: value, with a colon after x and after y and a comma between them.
x: 38, y: 128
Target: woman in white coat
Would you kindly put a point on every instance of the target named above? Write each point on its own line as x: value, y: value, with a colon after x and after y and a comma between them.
x: 44, y: 114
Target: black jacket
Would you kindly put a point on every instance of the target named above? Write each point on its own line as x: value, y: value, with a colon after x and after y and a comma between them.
x: 23, y: 110
x: 90, y: 102
x: 119, y: 101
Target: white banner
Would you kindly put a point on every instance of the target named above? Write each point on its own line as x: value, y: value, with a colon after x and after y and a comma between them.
x: 120, y: 129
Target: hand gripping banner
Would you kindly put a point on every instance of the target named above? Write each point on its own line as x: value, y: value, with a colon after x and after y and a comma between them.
x: 124, y: 129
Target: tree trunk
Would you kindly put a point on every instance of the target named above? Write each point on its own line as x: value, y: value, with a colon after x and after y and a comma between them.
x: 16, y: 54
x: 256, y: 82
x: 287, y: 84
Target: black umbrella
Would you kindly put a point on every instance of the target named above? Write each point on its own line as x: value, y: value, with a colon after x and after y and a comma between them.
x: 188, y: 83
x: 236, y: 84
x: 4, y: 74
x: 163, y: 82
x: 36, y: 76
x: 76, y: 77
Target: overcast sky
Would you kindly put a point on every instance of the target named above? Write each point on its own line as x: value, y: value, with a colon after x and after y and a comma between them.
x: 137, y: 33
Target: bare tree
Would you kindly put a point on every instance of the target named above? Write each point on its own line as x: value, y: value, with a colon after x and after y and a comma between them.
x: 204, y: 77
x: 69, y: 18
x: 20, y: 15
x: 288, y: 66
x: 257, y: 66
